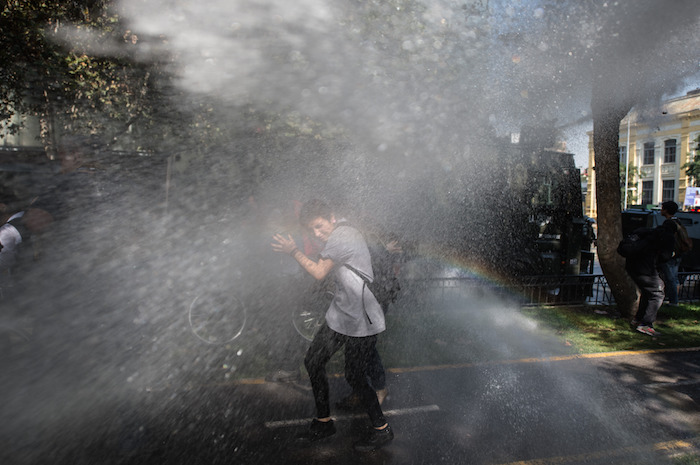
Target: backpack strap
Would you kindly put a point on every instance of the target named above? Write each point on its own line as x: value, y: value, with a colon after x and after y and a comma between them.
x: 358, y: 273
x: 365, y: 281
x: 365, y: 284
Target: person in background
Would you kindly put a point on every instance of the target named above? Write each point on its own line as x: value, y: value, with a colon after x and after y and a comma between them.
x: 643, y: 251
x: 669, y: 268
x: 353, y: 319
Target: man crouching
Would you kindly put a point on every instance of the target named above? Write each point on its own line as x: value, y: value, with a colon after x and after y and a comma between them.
x: 353, y: 319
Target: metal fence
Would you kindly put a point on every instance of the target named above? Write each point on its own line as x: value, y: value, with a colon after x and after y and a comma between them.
x: 587, y: 289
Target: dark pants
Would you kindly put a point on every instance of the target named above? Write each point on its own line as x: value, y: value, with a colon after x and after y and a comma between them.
x: 358, y: 351
x: 375, y: 369
x: 651, y: 288
x: 669, y: 272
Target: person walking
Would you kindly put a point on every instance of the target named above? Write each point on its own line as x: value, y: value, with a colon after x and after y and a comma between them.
x: 353, y: 319
x: 669, y: 268
x: 643, y: 250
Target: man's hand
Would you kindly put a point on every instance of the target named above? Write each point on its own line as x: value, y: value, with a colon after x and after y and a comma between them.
x: 393, y: 247
x: 283, y: 244
x: 318, y: 270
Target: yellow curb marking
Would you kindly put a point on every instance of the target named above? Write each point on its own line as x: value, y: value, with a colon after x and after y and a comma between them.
x: 559, y: 358
x: 667, y: 446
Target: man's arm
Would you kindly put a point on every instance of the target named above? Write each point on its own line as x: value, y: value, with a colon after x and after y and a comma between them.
x: 318, y: 270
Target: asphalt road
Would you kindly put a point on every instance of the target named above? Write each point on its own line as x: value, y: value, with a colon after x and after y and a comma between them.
x: 631, y: 408
x: 517, y: 397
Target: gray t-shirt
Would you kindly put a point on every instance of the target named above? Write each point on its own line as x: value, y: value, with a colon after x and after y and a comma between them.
x: 354, y: 311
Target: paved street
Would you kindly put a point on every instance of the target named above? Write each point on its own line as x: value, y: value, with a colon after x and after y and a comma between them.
x: 514, y: 395
x: 635, y: 409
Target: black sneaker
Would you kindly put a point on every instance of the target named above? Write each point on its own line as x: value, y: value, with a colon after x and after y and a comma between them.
x: 377, y: 438
x: 317, y: 431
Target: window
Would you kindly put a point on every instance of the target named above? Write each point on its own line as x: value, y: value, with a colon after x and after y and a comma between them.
x: 668, y: 190
x: 623, y: 154
x: 647, y: 192
x: 649, y: 153
x: 670, y: 151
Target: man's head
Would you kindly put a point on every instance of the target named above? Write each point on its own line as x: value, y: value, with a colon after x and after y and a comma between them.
x: 670, y: 208
x: 317, y: 216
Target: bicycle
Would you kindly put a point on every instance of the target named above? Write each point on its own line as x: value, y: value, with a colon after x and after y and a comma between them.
x: 217, y: 318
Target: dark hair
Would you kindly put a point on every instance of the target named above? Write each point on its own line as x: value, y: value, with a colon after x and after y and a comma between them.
x: 670, y: 206
x: 314, y: 209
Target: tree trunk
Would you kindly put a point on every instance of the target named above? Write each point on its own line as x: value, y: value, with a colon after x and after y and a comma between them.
x: 606, y: 128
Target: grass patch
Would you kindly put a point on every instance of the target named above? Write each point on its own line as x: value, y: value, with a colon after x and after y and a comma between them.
x: 599, y: 329
x: 692, y: 459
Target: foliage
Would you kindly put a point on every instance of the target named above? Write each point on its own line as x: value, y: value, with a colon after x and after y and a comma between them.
x: 689, y: 459
x: 692, y: 168
x: 72, y: 64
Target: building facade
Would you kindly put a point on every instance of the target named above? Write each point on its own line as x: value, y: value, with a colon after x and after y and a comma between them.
x: 658, y: 143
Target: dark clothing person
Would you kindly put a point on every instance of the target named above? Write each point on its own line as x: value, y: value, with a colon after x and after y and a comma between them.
x: 643, y: 251
x: 651, y: 288
x: 669, y: 268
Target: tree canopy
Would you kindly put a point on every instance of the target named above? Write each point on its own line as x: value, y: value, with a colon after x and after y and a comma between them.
x: 692, y: 168
x: 74, y: 65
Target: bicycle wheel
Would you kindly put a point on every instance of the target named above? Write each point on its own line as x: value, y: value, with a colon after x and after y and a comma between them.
x: 308, y: 322
x: 311, y: 317
x: 217, y: 318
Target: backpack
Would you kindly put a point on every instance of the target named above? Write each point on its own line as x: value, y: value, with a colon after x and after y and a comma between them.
x: 386, y: 285
x: 683, y: 242
x: 636, y: 244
